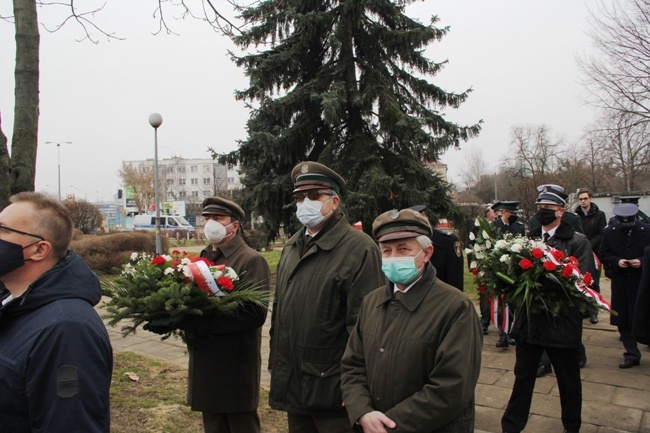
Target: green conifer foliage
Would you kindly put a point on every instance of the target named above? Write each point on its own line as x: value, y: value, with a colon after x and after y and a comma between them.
x: 344, y: 83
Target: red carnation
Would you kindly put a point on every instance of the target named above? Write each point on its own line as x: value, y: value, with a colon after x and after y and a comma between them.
x: 481, y: 289
x: 573, y: 260
x: 475, y: 271
x: 588, y: 279
x: 537, y: 253
x: 525, y: 263
x: 160, y: 260
x: 559, y: 255
x: 549, y: 265
x: 176, y: 252
x: 225, y: 283
x: 567, y: 271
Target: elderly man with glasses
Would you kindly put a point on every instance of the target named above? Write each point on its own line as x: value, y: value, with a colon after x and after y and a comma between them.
x: 325, y: 270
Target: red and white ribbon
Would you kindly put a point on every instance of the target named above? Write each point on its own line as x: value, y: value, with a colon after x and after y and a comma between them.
x: 204, y: 279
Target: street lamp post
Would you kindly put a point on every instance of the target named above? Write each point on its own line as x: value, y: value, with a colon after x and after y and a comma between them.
x: 58, y: 151
x: 156, y: 120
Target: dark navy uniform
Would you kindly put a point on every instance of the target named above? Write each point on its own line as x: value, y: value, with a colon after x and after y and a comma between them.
x: 447, y: 254
x: 448, y: 258
x: 625, y: 241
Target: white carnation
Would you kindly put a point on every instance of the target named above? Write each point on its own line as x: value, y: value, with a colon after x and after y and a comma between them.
x: 500, y: 244
x: 471, y: 236
x: 505, y: 258
x: 169, y: 270
x: 134, y: 257
x: 516, y: 248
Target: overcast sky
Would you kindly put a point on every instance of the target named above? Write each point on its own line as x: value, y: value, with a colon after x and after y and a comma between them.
x: 518, y: 56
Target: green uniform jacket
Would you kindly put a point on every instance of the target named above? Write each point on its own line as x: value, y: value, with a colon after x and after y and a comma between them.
x: 416, y: 359
x: 225, y: 360
x: 316, y: 303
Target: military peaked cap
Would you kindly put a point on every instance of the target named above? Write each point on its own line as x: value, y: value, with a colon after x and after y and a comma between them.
x: 400, y: 224
x: 221, y: 206
x: 313, y: 175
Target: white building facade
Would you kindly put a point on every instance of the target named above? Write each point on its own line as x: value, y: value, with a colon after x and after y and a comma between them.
x: 192, y: 179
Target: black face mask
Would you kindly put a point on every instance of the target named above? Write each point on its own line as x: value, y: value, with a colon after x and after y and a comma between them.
x: 512, y: 219
x: 545, y: 216
x: 11, y: 256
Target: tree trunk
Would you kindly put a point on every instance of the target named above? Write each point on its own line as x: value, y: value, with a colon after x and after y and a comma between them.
x: 5, y: 168
x: 25, y: 137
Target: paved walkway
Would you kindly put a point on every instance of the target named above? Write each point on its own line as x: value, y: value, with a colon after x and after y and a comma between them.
x: 614, y: 400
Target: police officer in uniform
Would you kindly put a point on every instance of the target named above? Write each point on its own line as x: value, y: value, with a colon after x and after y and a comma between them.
x: 508, y: 221
x: 568, y: 216
x: 622, y: 251
x: 447, y: 254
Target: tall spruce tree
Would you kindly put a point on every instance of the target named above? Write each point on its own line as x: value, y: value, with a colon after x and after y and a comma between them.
x: 344, y: 83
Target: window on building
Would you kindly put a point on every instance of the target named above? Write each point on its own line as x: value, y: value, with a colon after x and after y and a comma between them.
x: 207, y: 181
x: 207, y: 193
x: 194, y: 168
x: 207, y: 168
x: 182, y: 194
x: 194, y: 181
x: 181, y: 181
x: 170, y: 181
x: 231, y: 180
x: 170, y: 169
x: 195, y: 193
x: 181, y: 169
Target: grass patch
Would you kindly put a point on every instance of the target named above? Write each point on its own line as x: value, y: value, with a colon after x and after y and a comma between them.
x: 156, y: 402
x: 272, y: 258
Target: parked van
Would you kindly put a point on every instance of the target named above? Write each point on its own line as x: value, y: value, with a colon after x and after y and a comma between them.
x: 170, y: 226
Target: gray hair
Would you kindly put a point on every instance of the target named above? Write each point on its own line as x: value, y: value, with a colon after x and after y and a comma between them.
x: 424, y: 241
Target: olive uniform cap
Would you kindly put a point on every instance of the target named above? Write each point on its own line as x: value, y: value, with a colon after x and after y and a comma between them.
x: 314, y: 175
x: 221, y: 206
x: 402, y: 224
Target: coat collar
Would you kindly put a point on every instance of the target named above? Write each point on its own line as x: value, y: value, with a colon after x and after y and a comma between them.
x: 229, y: 248
x: 413, y: 298
x: 330, y: 236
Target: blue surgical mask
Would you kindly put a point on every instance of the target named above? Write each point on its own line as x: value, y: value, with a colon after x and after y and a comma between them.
x: 400, y: 270
x: 309, y: 212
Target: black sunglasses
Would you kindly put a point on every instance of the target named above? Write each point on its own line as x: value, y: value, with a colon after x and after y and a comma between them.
x: 312, y: 195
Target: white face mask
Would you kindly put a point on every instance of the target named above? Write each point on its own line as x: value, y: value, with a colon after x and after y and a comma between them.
x: 214, y: 231
x: 309, y: 212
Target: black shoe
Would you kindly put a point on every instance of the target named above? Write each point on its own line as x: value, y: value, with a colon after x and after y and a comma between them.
x: 593, y: 318
x: 503, y: 341
x: 485, y: 329
x: 512, y: 341
x: 543, y: 370
x: 627, y: 363
x: 582, y: 362
x: 568, y: 431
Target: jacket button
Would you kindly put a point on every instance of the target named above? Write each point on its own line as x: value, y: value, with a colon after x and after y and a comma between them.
x: 381, y: 350
x: 322, y: 374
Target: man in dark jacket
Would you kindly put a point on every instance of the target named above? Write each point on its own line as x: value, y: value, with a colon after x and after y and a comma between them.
x: 622, y: 251
x: 324, y: 272
x: 225, y: 359
x: 593, y: 222
x: 560, y: 337
x: 56, y: 359
x: 414, y: 357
